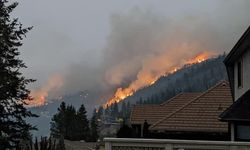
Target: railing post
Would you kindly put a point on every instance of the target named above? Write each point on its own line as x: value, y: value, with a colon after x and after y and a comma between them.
x: 108, y: 146
x: 169, y: 147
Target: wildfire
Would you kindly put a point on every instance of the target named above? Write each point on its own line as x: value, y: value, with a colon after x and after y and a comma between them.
x: 39, y: 95
x: 153, y: 82
x: 122, y: 93
x: 199, y: 58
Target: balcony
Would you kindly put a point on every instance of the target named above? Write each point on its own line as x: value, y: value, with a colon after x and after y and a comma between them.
x: 167, y: 144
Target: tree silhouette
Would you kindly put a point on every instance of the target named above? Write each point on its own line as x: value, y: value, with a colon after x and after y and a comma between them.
x: 70, y: 124
x: 13, y: 91
x: 58, y: 124
x: 94, y: 126
x: 83, y: 124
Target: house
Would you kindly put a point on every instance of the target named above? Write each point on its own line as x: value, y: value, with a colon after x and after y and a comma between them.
x: 187, y: 115
x: 153, y: 113
x: 198, y: 118
x: 238, y: 67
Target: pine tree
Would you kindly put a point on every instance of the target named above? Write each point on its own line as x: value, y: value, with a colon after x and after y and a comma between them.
x: 141, y: 100
x: 107, y: 111
x: 60, y: 145
x: 115, y: 110
x: 83, y: 124
x: 71, y: 123
x: 94, y: 127
x: 128, y: 109
x: 100, y: 112
x: 58, y: 124
x: 13, y: 91
x: 124, y: 109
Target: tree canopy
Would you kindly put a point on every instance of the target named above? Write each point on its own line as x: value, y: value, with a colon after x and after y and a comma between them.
x: 13, y: 91
x: 73, y: 125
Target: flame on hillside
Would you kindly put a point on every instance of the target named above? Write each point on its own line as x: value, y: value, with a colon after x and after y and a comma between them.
x: 39, y: 95
x: 122, y: 93
x: 199, y: 58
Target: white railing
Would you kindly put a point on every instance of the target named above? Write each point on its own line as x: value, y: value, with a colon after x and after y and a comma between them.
x: 167, y: 144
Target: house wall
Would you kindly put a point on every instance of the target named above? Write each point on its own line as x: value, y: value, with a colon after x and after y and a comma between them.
x: 246, y: 76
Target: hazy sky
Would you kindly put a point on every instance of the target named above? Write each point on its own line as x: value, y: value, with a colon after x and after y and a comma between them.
x: 69, y: 35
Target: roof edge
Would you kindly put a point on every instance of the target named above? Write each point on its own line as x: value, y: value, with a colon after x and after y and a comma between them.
x: 233, y: 51
x: 188, y: 103
x: 167, y: 101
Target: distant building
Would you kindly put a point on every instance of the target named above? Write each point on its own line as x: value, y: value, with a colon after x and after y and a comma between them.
x: 238, y: 67
x: 187, y: 115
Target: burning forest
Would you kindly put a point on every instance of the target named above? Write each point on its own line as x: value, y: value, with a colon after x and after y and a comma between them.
x: 85, y: 64
x: 122, y: 93
x: 140, y: 47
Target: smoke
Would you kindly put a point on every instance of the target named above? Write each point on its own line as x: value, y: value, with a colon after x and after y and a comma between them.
x: 142, y: 45
x: 54, y: 83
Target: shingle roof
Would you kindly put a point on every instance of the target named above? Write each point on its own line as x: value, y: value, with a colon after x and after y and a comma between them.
x: 153, y: 113
x: 200, y: 114
x: 239, y: 110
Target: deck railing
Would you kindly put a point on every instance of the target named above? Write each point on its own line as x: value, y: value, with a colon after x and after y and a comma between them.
x: 167, y: 144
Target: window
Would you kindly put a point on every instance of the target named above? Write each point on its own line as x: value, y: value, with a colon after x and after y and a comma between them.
x: 243, y: 132
x: 239, y: 74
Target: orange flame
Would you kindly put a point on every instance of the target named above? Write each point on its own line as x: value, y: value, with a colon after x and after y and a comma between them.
x: 199, y: 58
x: 122, y: 93
x: 119, y: 95
x: 39, y: 95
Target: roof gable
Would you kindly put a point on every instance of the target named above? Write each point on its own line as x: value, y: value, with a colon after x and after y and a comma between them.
x: 153, y: 113
x: 200, y: 114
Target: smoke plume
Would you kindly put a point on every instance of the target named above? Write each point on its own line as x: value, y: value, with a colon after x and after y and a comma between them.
x: 142, y: 45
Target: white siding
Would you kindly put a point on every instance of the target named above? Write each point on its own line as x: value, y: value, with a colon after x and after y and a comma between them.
x: 246, y: 75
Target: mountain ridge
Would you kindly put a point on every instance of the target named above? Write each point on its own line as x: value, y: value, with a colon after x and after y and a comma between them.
x: 190, y: 78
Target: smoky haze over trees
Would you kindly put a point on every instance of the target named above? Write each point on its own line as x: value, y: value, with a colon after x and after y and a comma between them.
x: 205, y: 75
x: 143, y: 43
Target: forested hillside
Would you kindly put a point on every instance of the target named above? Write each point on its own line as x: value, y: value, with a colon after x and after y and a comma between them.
x: 190, y: 78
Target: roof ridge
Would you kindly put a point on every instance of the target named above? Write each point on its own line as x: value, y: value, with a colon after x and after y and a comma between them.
x: 145, y: 105
x: 167, y: 101
x: 174, y: 97
x: 188, y: 103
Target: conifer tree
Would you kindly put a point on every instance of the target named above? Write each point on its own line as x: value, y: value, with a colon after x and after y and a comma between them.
x: 94, y: 127
x: 83, y: 123
x: 115, y: 110
x: 71, y: 129
x: 13, y: 91
x: 58, y: 124
x: 70, y: 124
x: 100, y: 112
x: 124, y: 109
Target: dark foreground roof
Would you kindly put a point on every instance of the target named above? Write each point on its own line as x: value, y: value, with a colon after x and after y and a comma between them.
x: 199, y: 114
x: 153, y: 113
x: 239, y: 110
